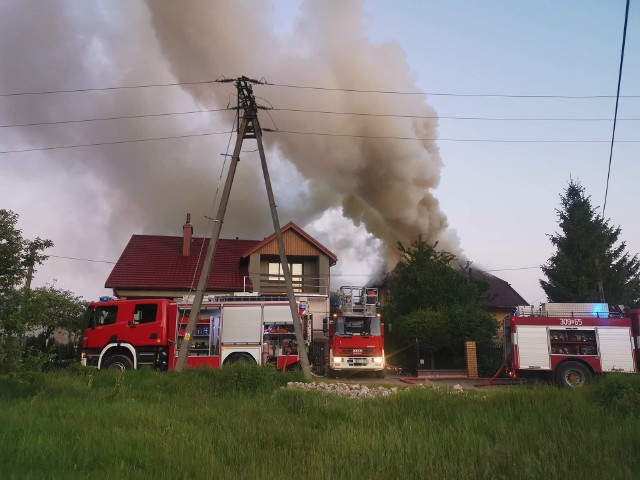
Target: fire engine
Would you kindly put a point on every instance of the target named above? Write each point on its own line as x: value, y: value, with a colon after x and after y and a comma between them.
x: 356, y: 333
x: 571, y: 342
x: 129, y: 334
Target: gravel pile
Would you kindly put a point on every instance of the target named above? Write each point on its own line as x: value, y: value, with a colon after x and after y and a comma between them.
x: 352, y: 390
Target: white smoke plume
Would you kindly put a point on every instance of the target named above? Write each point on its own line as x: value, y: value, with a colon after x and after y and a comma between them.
x: 98, y: 196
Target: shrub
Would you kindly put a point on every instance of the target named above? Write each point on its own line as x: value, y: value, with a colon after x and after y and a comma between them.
x: 619, y: 392
x: 246, y: 378
x: 16, y: 359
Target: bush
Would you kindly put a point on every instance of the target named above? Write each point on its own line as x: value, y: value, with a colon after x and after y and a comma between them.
x: 619, y: 392
x: 16, y: 359
x: 247, y: 378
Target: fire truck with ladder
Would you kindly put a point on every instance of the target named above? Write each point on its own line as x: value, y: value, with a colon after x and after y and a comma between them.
x: 356, y: 333
x: 571, y: 342
x: 129, y: 334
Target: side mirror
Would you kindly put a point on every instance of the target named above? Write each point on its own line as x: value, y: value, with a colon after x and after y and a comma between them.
x: 325, y: 325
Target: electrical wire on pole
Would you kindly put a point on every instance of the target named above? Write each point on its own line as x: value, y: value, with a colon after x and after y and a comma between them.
x: 613, y: 138
x: 248, y: 128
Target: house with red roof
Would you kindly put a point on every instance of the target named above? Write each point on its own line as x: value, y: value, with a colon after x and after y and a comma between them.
x: 160, y: 266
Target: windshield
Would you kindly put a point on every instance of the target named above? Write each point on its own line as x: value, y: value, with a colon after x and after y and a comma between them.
x: 357, y: 326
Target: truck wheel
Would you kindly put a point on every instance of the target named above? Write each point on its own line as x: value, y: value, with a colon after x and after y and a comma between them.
x: 118, y: 362
x: 240, y: 357
x: 380, y: 374
x: 573, y: 375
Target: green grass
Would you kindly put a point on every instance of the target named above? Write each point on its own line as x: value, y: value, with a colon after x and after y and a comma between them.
x: 237, y: 423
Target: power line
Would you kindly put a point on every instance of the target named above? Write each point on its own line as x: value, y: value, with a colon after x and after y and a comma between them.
x: 121, y: 117
x: 615, y: 115
x: 332, y: 274
x: 437, y: 117
x: 80, y: 259
x: 101, y: 89
x: 478, y: 140
x: 510, y: 269
x: 114, y: 143
x: 297, y: 110
x: 381, y: 137
x: 442, y: 94
x: 313, y: 87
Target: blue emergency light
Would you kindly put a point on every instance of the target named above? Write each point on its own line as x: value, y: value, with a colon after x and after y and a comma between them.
x: 600, y: 310
x: 105, y: 299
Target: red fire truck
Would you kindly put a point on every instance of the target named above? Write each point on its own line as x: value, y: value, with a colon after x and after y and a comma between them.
x: 128, y: 334
x: 571, y: 342
x: 356, y: 333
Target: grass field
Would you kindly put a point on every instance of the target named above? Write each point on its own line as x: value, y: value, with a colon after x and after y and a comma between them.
x: 237, y: 423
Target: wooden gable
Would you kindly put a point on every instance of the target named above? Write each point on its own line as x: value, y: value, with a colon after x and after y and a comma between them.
x: 294, y: 244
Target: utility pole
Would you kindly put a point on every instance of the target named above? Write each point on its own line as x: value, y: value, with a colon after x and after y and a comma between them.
x: 248, y: 127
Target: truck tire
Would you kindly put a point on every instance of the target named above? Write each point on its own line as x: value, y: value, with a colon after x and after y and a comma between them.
x: 239, y: 357
x: 380, y: 374
x: 573, y: 375
x: 118, y: 362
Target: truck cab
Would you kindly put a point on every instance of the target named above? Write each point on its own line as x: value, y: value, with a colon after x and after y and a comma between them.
x: 126, y: 334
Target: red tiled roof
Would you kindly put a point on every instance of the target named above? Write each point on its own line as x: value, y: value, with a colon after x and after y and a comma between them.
x: 500, y: 293
x: 332, y: 256
x: 156, y: 262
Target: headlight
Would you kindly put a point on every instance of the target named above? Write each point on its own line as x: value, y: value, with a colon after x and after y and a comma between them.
x: 377, y: 360
x: 337, y: 359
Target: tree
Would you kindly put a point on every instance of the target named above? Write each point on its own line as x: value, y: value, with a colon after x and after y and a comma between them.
x: 18, y: 256
x: 435, y: 303
x: 48, y: 308
x: 588, y: 251
x: 12, y: 269
x: 29, y: 317
x: 432, y: 279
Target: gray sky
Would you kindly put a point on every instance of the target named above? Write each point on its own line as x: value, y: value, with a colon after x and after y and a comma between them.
x: 494, y: 202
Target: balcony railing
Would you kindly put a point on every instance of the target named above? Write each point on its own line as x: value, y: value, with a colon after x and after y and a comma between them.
x: 266, y: 284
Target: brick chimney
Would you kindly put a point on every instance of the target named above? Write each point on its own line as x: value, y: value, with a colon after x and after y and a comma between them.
x: 187, y: 232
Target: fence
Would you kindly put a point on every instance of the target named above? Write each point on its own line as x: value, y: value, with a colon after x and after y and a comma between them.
x: 490, y: 357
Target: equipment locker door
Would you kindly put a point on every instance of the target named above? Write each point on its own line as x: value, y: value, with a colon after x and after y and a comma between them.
x: 533, y: 347
x: 616, y: 349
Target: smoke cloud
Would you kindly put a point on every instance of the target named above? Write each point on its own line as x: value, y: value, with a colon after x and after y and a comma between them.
x: 383, y: 184
x: 99, y: 196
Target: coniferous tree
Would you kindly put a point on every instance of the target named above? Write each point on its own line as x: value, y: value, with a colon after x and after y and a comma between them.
x: 588, y: 250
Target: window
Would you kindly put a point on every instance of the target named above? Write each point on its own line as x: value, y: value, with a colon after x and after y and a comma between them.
x: 275, y: 270
x: 276, y: 274
x: 357, y: 326
x: 104, y: 316
x: 145, y: 313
